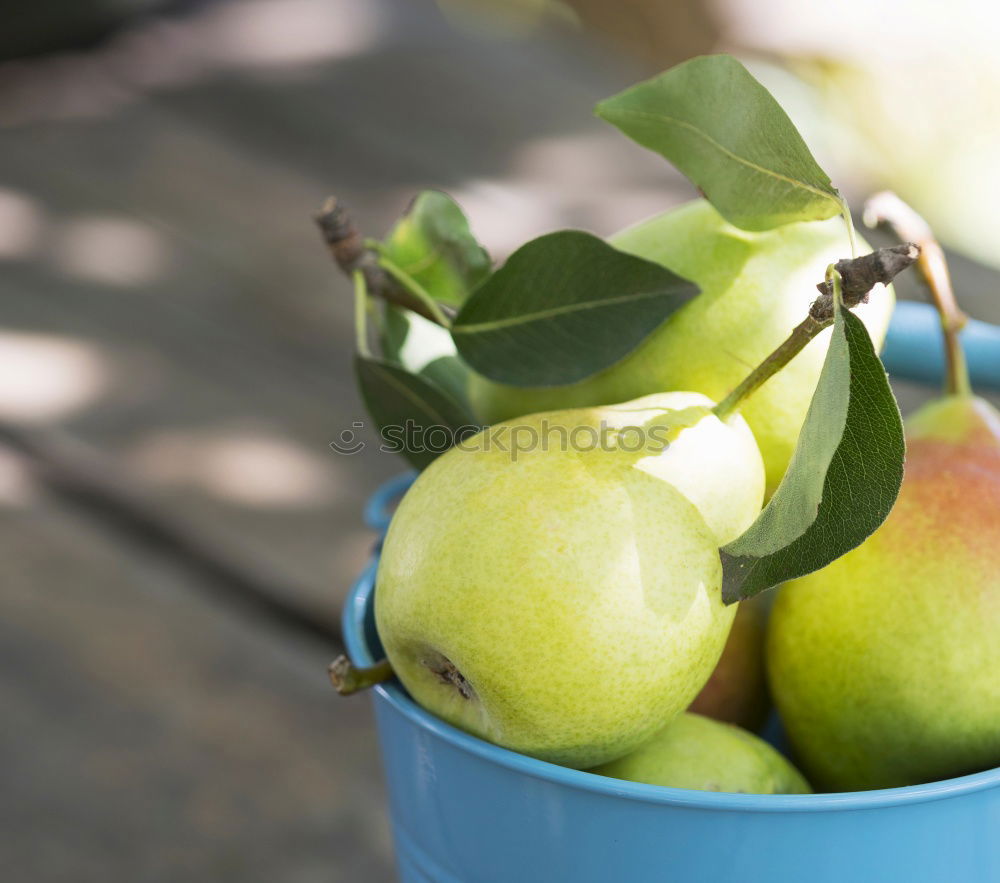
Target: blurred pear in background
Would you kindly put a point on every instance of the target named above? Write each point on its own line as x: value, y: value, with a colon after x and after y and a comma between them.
x: 890, y: 94
x: 906, y: 94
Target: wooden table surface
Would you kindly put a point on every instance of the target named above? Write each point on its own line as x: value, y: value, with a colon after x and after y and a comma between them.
x: 177, y: 536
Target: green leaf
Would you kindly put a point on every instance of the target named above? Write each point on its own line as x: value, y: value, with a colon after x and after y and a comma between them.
x: 725, y: 131
x: 563, y: 307
x: 450, y: 374
x: 843, y: 478
x: 415, y: 417
x: 423, y: 347
x: 432, y: 243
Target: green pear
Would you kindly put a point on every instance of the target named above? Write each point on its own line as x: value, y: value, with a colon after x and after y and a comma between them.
x: 564, y: 599
x: 755, y: 288
x: 737, y: 690
x: 705, y: 755
x: 885, y: 665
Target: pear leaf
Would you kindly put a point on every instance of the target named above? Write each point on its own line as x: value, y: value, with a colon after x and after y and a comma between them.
x: 423, y: 347
x: 415, y: 417
x: 726, y: 132
x: 843, y: 478
x: 433, y: 244
x: 564, y: 306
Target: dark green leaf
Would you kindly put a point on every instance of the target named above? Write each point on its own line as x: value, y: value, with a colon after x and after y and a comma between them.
x: 414, y: 416
x: 563, y: 307
x: 425, y: 348
x: 725, y: 131
x: 450, y: 374
x: 843, y: 478
x: 433, y: 244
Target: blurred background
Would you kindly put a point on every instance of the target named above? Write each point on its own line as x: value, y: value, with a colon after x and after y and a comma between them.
x: 175, y: 347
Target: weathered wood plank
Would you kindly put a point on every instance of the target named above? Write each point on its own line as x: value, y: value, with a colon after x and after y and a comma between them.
x: 151, y: 734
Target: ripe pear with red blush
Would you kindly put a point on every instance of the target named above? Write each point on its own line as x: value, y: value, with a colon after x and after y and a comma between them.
x: 885, y: 665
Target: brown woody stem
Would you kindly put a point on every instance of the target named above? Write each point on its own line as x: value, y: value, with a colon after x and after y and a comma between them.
x: 348, y: 678
x: 887, y: 208
x: 352, y: 254
x: 859, y: 276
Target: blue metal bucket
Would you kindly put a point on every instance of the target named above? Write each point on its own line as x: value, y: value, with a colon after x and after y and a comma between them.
x: 466, y: 811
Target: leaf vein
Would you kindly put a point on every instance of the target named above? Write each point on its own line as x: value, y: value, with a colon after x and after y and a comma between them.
x: 540, y: 315
x: 659, y: 117
x: 409, y: 394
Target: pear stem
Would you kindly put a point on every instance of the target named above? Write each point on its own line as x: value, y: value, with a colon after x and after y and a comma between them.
x: 347, y: 678
x: 851, y: 280
x: 805, y: 331
x: 887, y: 208
x: 361, y: 314
x: 416, y: 289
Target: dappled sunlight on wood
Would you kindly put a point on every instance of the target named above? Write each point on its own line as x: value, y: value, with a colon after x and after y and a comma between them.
x: 283, y: 32
x: 115, y: 251
x: 21, y: 224
x: 267, y: 34
x: 243, y: 467
x: 46, y: 377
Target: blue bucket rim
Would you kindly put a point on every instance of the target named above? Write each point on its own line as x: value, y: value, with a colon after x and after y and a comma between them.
x: 354, y: 616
